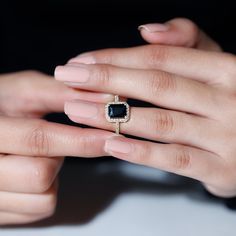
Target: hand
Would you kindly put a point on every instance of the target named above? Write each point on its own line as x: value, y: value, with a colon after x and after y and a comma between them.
x: 195, y: 90
x: 32, y: 149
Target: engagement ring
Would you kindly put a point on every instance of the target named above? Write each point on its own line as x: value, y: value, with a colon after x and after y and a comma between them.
x: 117, y: 112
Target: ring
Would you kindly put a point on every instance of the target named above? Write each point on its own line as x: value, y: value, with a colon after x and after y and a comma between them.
x: 117, y: 112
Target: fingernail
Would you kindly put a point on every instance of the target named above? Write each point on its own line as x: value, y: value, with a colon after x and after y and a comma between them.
x: 74, y: 74
x: 85, y: 58
x: 81, y: 109
x: 116, y: 144
x: 153, y: 28
x: 95, y: 97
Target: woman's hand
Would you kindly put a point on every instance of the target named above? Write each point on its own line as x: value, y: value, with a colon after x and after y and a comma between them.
x: 194, y: 90
x: 31, y: 149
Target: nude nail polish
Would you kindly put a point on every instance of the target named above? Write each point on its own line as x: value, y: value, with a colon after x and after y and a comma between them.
x: 117, y: 145
x: 81, y: 109
x: 155, y: 27
x: 85, y: 58
x: 95, y: 97
x: 72, y: 74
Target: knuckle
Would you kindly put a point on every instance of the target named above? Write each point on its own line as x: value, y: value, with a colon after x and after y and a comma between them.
x: 182, y: 159
x: 105, y: 56
x: 101, y: 75
x: 157, y: 55
x: 42, y: 176
x: 109, y: 56
x: 162, y: 123
x: 38, y: 140
x: 85, y: 143
x: 160, y: 82
x: 143, y: 153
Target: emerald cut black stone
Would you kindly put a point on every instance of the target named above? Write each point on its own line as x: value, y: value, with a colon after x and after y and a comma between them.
x: 118, y: 111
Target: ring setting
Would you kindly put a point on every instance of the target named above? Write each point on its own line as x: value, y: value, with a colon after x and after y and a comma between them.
x: 117, y: 112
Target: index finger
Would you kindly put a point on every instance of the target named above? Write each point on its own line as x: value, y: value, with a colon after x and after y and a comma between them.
x: 205, y: 66
x: 32, y: 137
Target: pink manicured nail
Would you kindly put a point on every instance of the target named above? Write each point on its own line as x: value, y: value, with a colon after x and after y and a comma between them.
x: 85, y: 58
x: 81, y: 109
x: 75, y: 74
x: 117, y: 145
x: 95, y: 97
x: 153, y: 28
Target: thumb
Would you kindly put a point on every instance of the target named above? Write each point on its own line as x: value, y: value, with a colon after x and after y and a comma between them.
x: 178, y: 32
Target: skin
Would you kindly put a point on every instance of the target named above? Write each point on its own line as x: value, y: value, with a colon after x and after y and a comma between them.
x: 32, y: 150
x: 191, y: 82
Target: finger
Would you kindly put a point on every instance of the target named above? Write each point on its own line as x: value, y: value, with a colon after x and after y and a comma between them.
x: 22, y: 174
x: 44, y: 94
x: 156, y: 87
x: 30, y: 204
x: 50, y: 101
x: 150, y: 123
x: 178, y: 32
x: 178, y: 159
x: 208, y: 67
x: 94, y: 97
x: 37, y: 94
x: 7, y: 218
x: 34, y: 137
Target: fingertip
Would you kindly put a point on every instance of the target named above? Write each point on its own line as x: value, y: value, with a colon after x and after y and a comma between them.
x: 154, y: 27
x: 155, y: 32
x: 152, y: 38
x: 72, y: 118
x: 186, y: 31
x: 177, y: 32
x: 57, y: 71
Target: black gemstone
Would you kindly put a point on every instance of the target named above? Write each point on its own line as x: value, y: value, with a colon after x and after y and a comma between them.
x: 118, y: 111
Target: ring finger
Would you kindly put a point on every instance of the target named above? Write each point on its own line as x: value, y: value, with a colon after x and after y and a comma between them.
x: 150, y: 123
